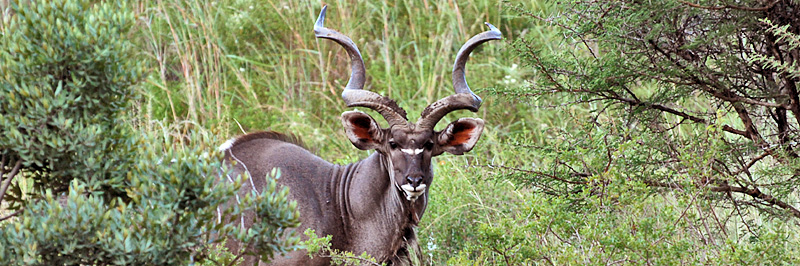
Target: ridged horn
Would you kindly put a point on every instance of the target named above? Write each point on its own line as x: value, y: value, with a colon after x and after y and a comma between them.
x: 354, y: 94
x: 464, y: 98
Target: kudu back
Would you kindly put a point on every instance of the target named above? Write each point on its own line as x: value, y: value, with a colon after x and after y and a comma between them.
x: 372, y: 205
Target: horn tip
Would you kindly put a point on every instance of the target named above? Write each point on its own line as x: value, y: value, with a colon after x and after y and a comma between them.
x: 321, y: 19
x: 494, y: 29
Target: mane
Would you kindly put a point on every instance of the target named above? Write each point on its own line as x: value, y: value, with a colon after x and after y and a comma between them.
x: 288, y: 138
x: 409, y: 253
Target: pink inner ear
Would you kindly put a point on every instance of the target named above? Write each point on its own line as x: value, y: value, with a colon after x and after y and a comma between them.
x: 360, y: 128
x: 462, y: 133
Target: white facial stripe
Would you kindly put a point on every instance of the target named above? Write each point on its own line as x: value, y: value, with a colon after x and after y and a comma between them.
x: 412, y: 151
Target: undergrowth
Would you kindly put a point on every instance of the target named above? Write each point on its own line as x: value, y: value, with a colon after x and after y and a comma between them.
x: 235, y: 66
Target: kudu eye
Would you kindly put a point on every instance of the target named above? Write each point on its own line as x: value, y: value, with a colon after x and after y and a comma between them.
x: 392, y: 145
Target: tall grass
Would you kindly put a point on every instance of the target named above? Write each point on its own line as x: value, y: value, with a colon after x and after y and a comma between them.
x: 235, y: 66
x: 242, y: 65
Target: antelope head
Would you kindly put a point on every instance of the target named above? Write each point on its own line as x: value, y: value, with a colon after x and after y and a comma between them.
x: 407, y: 147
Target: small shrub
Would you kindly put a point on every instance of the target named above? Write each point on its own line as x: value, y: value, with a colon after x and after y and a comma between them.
x: 105, y: 191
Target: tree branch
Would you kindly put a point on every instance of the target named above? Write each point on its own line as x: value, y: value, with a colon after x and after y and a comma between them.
x: 634, y: 102
x: 716, y: 90
x: 2, y: 166
x: 11, y: 215
x: 750, y: 127
x: 731, y: 6
x: 724, y: 94
x: 539, y: 173
x: 242, y: 251
x: 7, y: 181
x: 235, y: 260
x: 753, y: 192
x: 752, y: 162
x: 756, y: 193
x: 682, y: 114
x: 729, y: 96
x: 794, y: 102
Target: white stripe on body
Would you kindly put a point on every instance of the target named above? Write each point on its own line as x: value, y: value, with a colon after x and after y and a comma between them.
x: 226, y: 147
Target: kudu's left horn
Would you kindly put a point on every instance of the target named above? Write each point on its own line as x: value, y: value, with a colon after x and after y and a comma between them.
x: 354, y: 93
x: 464, y: 98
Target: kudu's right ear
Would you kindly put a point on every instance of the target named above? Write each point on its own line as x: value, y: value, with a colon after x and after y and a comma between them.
x: 460, y: 136
x: 362, y: 130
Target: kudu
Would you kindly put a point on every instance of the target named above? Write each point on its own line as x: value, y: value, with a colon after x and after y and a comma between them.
x: 372, y: 205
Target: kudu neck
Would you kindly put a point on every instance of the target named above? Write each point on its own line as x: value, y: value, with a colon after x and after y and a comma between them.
x: 375, y: 172
x: 371, y: 190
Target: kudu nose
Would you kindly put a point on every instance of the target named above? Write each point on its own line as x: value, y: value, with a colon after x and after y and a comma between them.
x: 414, y: 180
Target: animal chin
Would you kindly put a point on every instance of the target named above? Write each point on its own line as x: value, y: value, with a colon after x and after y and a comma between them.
x: 413, y: 193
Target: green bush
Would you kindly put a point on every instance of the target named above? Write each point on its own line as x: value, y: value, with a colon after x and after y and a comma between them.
x: 663, y: 134
x: 66, y: 77
x: 106, y: 191
x: 545, y: 186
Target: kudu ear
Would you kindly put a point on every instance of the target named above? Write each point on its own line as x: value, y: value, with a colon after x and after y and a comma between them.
x: 460, y: 136
x: 362, y: 130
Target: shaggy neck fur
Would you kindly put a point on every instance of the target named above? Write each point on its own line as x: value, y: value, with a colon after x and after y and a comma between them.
x: 369, y: 198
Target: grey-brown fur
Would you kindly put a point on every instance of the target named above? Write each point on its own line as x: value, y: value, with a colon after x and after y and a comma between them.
x: 332, y: 199
x: 372, y: 205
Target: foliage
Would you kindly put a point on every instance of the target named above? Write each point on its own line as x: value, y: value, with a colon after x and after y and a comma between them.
x: 106, y: 190
x: 276, y: 213
x: 321, y: 246
x: 236, y: 66
x: 677, y: 101
x: 597, y: 149
x: 261, y: 66
x: 65, y: 80
x: 495, y: 222
x: 673, y: 142
x: 790, y: 39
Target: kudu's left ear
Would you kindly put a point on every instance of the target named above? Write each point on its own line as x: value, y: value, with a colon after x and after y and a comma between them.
x: 362, y: 130
x: 460, y: 136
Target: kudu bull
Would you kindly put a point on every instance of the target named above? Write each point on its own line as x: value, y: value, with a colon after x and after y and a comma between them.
x: 372, y: 205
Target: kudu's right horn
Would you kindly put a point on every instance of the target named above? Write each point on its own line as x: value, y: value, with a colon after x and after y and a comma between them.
x: 354, y: 94
x: 464, y: 98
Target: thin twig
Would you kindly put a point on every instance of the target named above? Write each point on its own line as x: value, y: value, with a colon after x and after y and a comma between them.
x: 732, y: 6
x: 752, y: 162
x: 2, y: 166
x: 752, y: 192
x: 738, y: 211
x: 547, y: 259
x: 352, y: 257
x: 10, y: 177
x: 235, y: 259
x: 241, y: 254
x: 11, y: 215
x: 534, y: 172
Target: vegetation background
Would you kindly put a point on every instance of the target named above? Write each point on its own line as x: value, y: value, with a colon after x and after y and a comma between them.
x: 559, y: 176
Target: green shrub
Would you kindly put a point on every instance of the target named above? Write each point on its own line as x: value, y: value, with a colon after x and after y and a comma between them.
x: 66, y: 78
x: 668, y: 139
x: 106, y: 191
